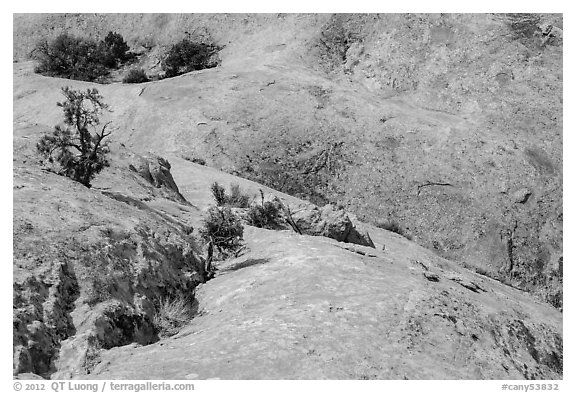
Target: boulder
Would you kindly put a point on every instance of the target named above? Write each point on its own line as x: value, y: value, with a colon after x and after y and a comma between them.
x: 331, y: 222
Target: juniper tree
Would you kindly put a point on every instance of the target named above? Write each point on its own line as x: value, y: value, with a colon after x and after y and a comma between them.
x: 78, y: 148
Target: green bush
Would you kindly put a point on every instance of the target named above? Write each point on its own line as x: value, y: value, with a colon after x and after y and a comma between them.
x: 236, y: 198
x: 222, y: 228
x: 79, y: 153
x: 186, y: 56
x: 136, y: 75
x: 268, y: 215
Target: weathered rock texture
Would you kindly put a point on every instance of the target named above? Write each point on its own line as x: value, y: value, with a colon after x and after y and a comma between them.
x: 330, y: 222
x: 450, y: 125
x: 89, y: 269
x: 398, y: 313
x: 434, y: 121
x: 156, y: 170
x: 301, y: 307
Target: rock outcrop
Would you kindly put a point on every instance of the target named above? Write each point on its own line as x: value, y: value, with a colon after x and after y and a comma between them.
x: 407, y: 135
x: 156, y: 171
x: 89, y: 270
x: 329, y: 221
x: 303, y: 307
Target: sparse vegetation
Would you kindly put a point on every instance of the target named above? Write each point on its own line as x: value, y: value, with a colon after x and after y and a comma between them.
x: 171, y: 315
x: 222, y: 228
x: 303, y: 168
x: 194, y: 159
x: 186, y: 56
x: 266, y: 215
x: 199, y: 161
x: 80, y: 58
x: 115, y: 50
x: 393, y: 226
x: 78, y: 153
x: 136, y: 75
x: 219, y: 194
x: 236, y: 198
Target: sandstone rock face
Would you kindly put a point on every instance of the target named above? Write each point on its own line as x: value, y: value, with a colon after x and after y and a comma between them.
x: 88, y: 270
x: 433, y: 136
x: 42, y: 304
x: 450, y: 125
x: 267, y: 315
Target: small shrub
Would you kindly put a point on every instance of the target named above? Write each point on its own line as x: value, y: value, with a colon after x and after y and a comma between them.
x: 186, y: 56
x: 222, y: 228
x: 79, y: 153
x: 393, y: 226
x: 219, y: 194
x: 236, y: 198
x: 114, y: 50
x: 195, y: 160
x: 267, y: 215
x: 136, y: 75
x: 171, y: 315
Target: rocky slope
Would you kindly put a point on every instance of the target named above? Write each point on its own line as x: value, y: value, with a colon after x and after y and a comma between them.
x: 300, y: 307
x: 448, y: 125
x: 92, y: 265
x: 395, y: 311
x: 419, y: 120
